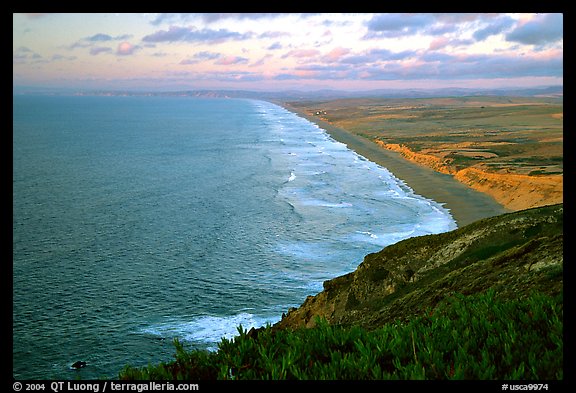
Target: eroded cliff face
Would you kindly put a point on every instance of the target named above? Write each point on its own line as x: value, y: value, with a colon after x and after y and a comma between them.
x: 513, y: 253
x: 511, y: 190
x: 515, y: 191
x: 439, y: 164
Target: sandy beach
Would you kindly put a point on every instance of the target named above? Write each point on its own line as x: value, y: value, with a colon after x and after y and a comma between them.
x: 465, y: 204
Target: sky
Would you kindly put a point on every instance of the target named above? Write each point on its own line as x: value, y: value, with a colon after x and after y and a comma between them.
x: 286, y: 51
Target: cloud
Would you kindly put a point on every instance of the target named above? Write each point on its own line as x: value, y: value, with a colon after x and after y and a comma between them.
x: 216, y: 17
x: 80, y: 44
x: 191, y: 34
x: 396, y: 25
x: 96, y: 50
x: 335, y: 54
x: 436, y: 24
x: 58, y: 56
x: 375, y: 55
x: 283, y: 76
x: 382, y: 64
x: 444, y: 66
x: 443, y: 42
x: 168, y: 18
x: 126, y: 49
x: 273, y: 34
x: 262, y: 60
x: 458, y: 17
x: 274, y: 46
x: 431, y: 57
x: 439, y: 42
x: 541, y: 30
x: 387, y: 55
x: 24, y: 49
x: 494, y: 28
x: 320, y: 72
x: 231, y: 60
x: 89, y: 42
x: 288, y: 46
x: 101, y: 37
x: 358, y: 59
x: 220, y: 59
x: 201, y: 56
x: 301, y: 53
x: 23, y: 54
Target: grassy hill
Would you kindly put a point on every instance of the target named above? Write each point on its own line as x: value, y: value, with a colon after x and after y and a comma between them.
x: 480, y: 302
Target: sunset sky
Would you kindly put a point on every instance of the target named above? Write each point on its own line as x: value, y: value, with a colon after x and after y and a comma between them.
x: 286, y: 51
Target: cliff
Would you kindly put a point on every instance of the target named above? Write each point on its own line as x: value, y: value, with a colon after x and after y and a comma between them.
x: 514, y: 254
x: 515, y: 191
x: 512, y: 190
x: 438, y: 164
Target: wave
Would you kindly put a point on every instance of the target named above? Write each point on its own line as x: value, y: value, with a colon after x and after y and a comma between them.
x: 373, y: 236
x: 322, y: 203
x: 208, y: 330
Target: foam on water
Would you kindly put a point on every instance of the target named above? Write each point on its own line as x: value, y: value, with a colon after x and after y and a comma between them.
x: 207, y: 330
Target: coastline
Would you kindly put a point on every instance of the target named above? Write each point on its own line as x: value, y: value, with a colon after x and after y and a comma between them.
x: 465, y: 204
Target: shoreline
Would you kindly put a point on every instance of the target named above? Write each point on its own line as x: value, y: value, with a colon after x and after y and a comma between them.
x: 464, y: 204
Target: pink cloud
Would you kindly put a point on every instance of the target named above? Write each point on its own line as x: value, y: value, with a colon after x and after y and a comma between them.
x: 125, y: 48
x: 438, y: 43
x: 335, y: 54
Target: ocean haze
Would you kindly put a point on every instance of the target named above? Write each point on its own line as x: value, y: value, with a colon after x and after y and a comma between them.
x: 140, y: 219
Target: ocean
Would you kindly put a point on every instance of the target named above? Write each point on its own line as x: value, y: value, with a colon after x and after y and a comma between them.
x: 137, y: 220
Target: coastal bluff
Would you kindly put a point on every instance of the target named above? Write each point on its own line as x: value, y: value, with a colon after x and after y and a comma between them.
x: 514, y: 254
x: 512, y: 190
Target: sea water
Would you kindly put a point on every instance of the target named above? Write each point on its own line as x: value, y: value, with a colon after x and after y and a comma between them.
x: 137, y: 220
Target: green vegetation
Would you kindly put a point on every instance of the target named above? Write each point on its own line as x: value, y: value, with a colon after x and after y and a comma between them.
x: 479, y: 336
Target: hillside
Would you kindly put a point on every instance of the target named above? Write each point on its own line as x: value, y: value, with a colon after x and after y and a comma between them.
x: 514, y: 254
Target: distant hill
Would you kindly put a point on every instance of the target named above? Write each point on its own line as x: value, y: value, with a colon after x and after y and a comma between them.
x: 555, y: 91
